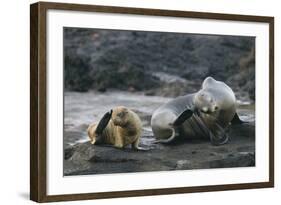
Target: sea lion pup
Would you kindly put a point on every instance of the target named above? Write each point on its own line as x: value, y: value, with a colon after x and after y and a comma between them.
x: 119, y: 127
x: 206, y: 114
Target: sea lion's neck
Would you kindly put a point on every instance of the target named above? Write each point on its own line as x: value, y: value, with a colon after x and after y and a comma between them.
x: 129, y: 125
x: 130, y: 128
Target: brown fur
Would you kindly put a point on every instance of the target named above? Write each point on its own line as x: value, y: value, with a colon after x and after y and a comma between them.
x: 124, y: 128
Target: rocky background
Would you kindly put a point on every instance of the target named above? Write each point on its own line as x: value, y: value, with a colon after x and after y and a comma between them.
x: 163, y: 64
x: 143, y: 70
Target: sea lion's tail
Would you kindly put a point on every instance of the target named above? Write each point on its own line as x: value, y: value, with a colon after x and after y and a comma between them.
x: 170, y: 139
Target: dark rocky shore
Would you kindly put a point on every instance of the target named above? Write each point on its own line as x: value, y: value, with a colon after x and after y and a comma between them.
x: 163, y: 64
x: 84, y: 158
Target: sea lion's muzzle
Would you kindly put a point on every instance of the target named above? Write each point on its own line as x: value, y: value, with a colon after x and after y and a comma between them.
x: 207, y: 110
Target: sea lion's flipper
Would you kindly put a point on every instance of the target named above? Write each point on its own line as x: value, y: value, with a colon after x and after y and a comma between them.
x: 140, y: 149
x: 103, y: 122
x: 236, y: 120
x: 99, y: 140
x: 170, y: 139
x: 218, y: 135
x: 183, y: 117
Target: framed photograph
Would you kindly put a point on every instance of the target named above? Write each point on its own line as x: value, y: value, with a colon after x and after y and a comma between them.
x: 135, y: 102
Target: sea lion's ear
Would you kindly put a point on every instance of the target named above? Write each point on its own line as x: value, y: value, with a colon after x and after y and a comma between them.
x: 183, y: 117
x: 103, y: 122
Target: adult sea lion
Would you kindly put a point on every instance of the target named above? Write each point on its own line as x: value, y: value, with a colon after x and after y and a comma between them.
x: 206, y: 114
x: 119, y: 127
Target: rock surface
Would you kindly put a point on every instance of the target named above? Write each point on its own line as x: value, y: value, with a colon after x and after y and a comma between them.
x: 84, y: 158
x: 80, y: 157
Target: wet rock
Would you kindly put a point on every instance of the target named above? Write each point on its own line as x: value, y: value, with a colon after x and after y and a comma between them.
x: 102, y: 89
x: 71, y: 136
x: 245, y: 148
x: 85, y: 158
x: 83, y: 152
x: 246, y: 129
x: 193, y: 152
x: 183, y: 164
x: 68, y: 152
x: 240, y: 159
x: 212, y: 154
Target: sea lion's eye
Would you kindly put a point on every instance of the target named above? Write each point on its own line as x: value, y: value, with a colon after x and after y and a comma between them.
x: 216, y: 107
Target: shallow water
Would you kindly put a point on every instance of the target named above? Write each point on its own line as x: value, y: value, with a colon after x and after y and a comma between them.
x: 82, y: 109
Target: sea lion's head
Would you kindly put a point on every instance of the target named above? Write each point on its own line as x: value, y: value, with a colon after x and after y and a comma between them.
x: 120, y: 116
x: 205, y: 102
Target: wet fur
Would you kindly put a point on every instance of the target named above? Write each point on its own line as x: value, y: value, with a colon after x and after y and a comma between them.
x: 124, y: 128
x: 213, y: 108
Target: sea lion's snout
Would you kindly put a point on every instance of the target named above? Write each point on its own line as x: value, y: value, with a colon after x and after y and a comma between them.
x: 117, y: 122
x: 204, y: 109
x: 209, y: 110
x: 119, y: 116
